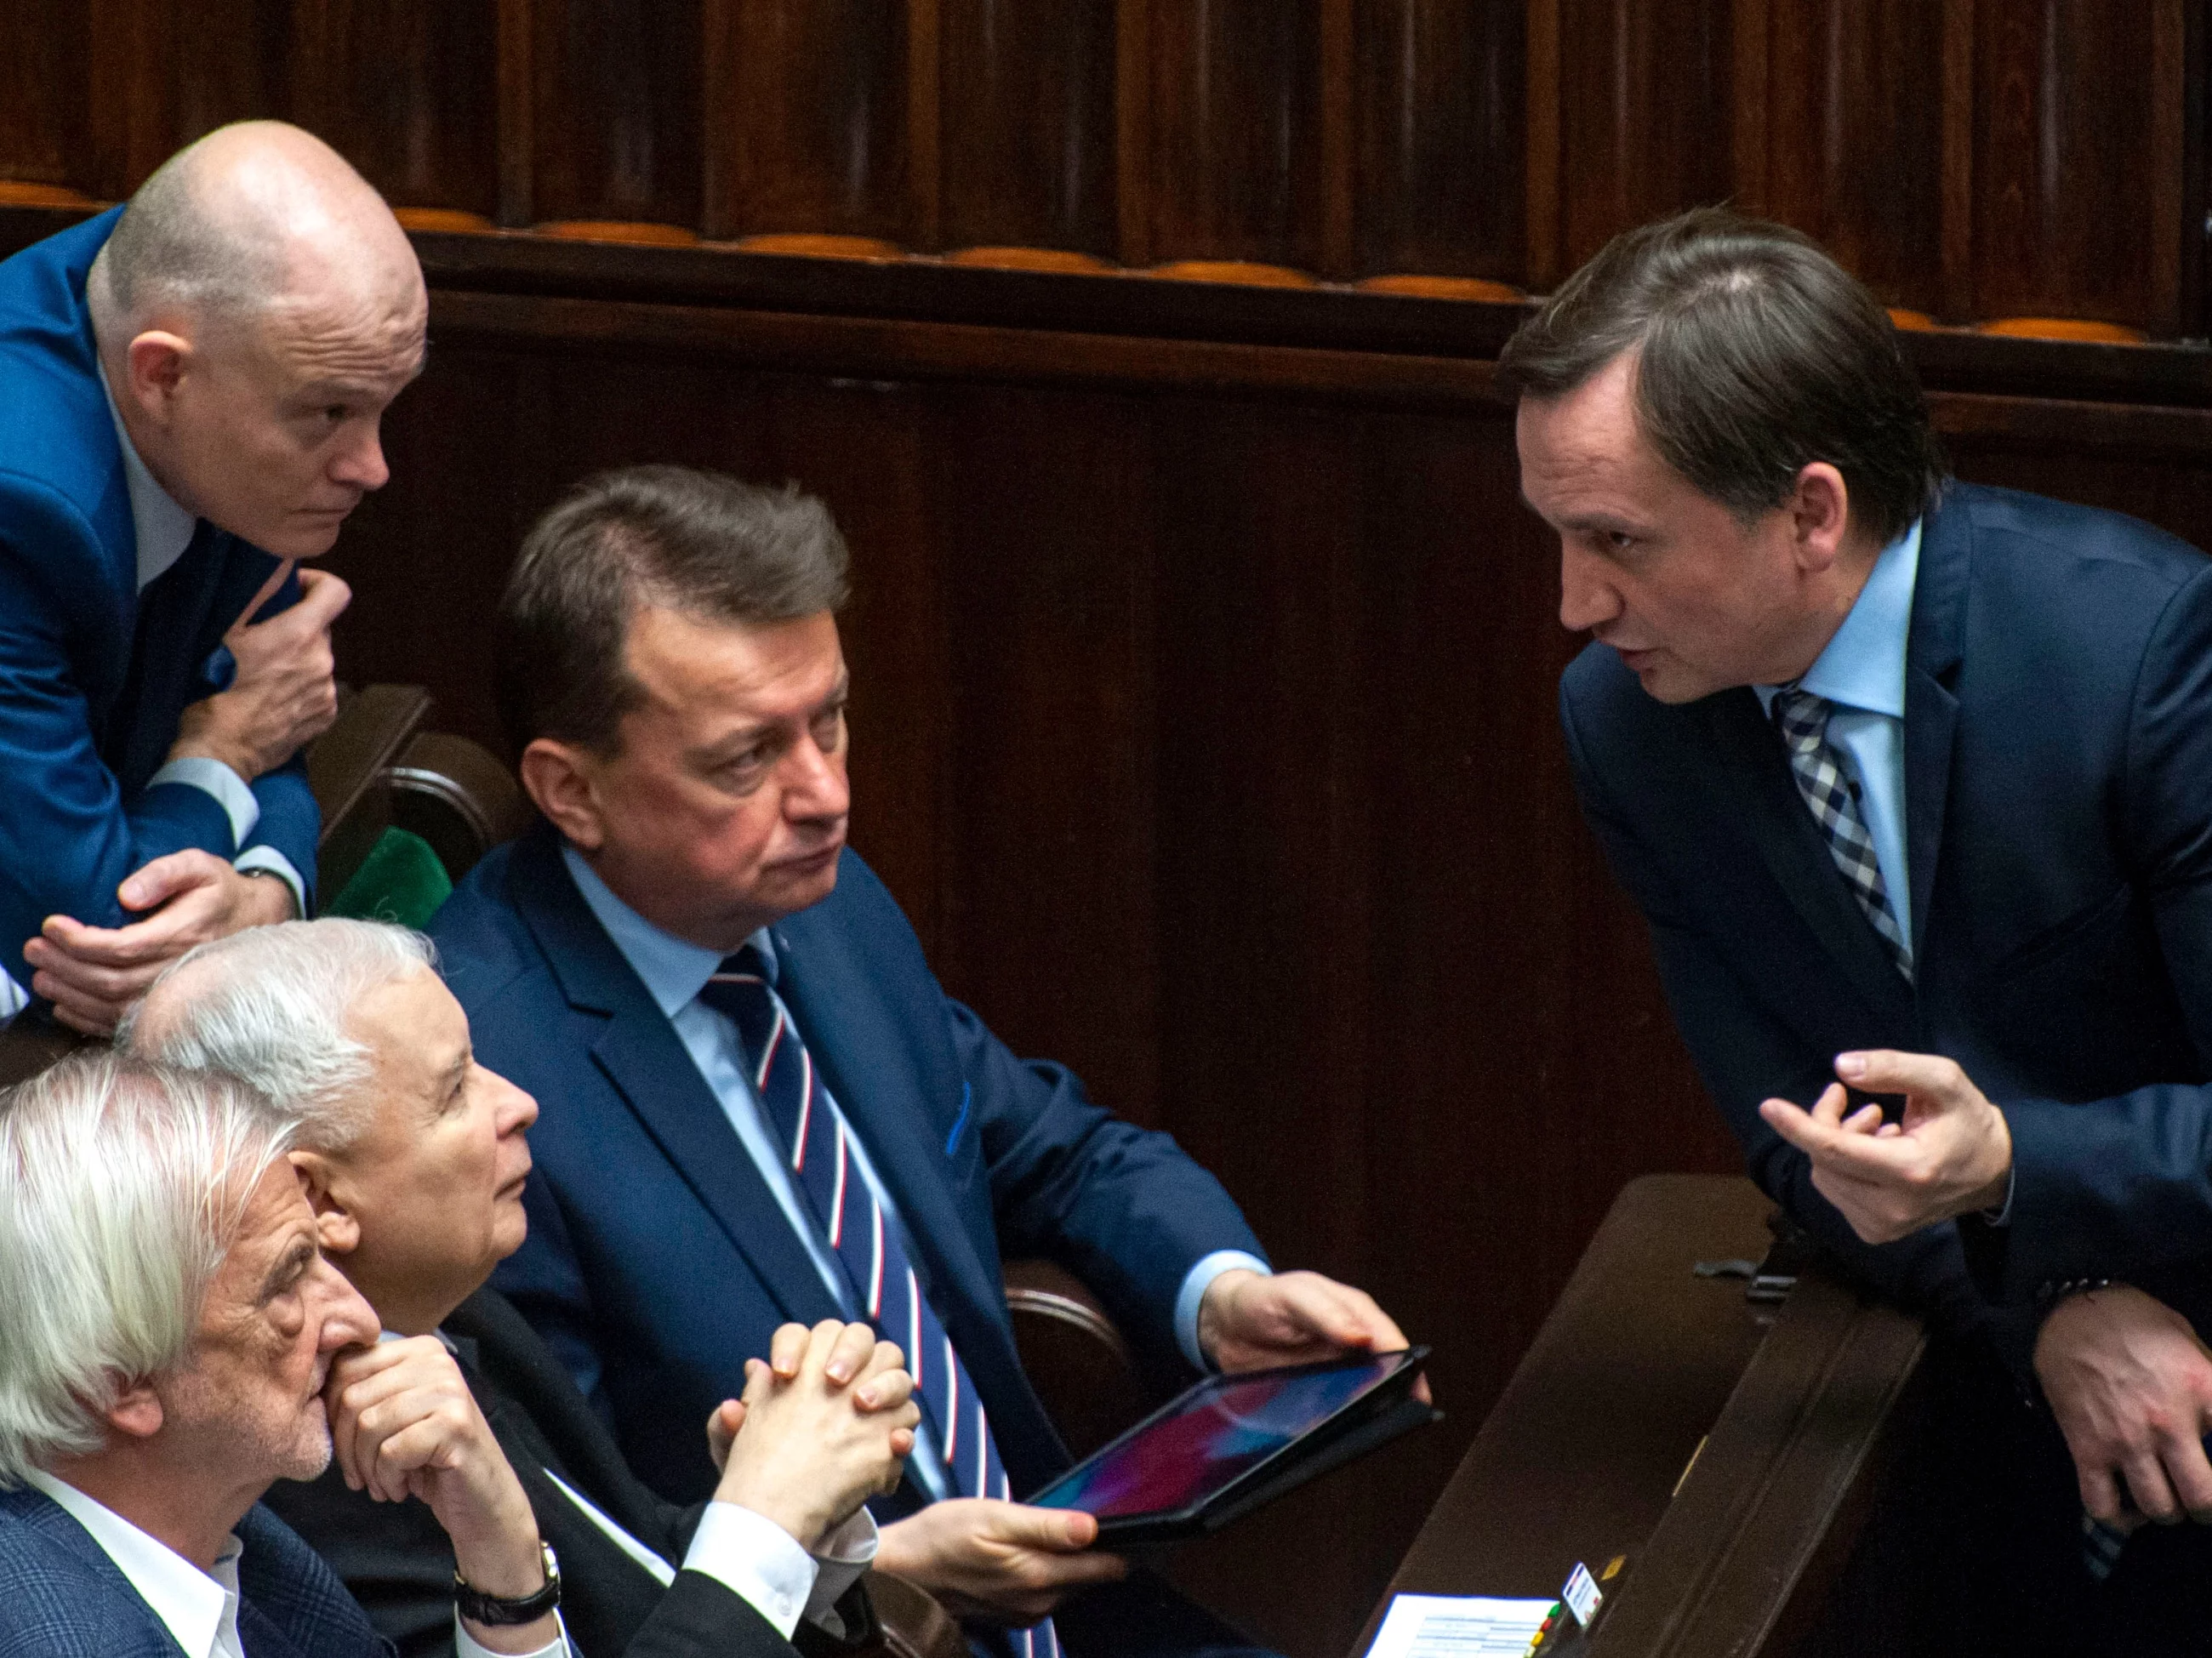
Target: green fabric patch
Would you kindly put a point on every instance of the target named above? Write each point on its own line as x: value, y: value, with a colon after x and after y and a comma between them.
x: 401, y: 880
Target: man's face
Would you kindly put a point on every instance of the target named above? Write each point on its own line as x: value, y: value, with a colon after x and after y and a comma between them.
x: 248, y: 1400
x: 1693, y: 601
x: 725, y: 809
x: 435, y: 1183
x: 273, y: 429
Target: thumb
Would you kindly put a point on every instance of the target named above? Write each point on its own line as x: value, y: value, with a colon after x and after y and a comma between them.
x: 322, y: 595
x: 1937, y: 1082
x: 1055, y: 1530
x: 161, y: 880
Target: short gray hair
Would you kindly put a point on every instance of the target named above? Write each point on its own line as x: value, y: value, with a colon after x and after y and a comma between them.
x: 122, y: 1185
x: 269, y: 1006
x: 168, y: 247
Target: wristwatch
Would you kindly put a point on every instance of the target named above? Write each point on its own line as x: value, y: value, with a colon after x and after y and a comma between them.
x: 478, y: 1608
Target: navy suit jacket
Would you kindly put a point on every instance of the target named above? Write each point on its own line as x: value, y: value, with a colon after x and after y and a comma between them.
x: 658, y: 1261
x: 93, y: 675
x: 62, y: 1597
x: 2058, y: 800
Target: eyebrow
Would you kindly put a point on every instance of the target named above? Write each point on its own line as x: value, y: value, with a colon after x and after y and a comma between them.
x: 745, y: 735
x: 289, y: 1265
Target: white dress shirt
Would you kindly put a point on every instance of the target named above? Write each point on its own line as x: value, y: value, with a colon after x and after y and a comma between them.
x: 674, y: 971
x: 199, y: 1609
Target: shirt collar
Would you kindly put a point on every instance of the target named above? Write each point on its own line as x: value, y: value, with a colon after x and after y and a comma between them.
x: 674, y: 971
x: 1863, y: 666
x: 195, y: 1607
x: 163, y: 528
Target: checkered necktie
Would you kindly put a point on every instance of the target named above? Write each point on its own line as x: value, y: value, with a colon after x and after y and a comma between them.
x: 882, y: 1279
x: 1832, y: 798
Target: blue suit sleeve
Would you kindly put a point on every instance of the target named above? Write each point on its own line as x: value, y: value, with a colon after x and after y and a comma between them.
x: 2124, y: 1185
x: 1122, y: 1207
x: 291, y: 823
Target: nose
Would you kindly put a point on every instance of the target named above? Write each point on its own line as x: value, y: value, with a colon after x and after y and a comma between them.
x: 350, y: 1320
x: 1588, y: 598
x: 518, y: 1109
x: 359, y: 463
x: 814, y: 784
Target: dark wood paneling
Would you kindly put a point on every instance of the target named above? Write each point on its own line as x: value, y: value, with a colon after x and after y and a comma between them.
x: 1028, y: 124
x: 45, y: 125
x: 407, y: 91
x: 808, y: 112
x: 615, y: 106
x: 1235, y: 169
x: 1642, y: 103
x: 1441, y: 136
x: 1852, y: 137
x: 233, y: 59
x: 2077, y: 160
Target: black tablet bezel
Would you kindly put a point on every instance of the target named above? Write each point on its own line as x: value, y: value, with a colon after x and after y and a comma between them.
x: 1166, y: 1524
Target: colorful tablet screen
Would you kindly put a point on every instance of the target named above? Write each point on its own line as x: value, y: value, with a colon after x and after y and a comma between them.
x: 1224, y: 1431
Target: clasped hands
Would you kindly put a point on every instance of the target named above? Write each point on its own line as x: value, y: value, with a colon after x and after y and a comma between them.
x: 283, y: 696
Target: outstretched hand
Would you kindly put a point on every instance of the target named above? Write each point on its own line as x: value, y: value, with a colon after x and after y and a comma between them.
x: 1950, y: 1154
x: 1250, y: 1321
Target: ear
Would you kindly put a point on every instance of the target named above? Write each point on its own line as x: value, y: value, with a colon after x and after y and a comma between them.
x: 338, y: 1228
x: 1819, y: 514
x: 156, y: 363
x: 136, y: 1412
x: 559, y: 778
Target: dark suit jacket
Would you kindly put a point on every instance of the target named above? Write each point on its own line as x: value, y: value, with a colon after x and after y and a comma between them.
x: 398, y: 1562
x: 95, y: 674
x: 2058, y: 796
x: 658, y: 1261
x: 62, y: 1597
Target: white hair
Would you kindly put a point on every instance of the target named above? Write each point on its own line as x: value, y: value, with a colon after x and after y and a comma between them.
x: 122, y: 1185
x: 269, y: 1006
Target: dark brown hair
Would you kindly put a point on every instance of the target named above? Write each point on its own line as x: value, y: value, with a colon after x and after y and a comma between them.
x: 1757, y: 354
x: 696, y: 542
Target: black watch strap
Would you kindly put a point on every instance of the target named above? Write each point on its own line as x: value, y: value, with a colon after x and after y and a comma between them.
x: 492, y: 1611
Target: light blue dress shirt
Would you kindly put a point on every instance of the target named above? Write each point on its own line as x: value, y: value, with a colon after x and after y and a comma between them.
x: 1862, y: 672
x: 674, y: 971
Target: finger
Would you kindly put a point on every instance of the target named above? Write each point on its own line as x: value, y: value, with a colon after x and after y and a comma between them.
x: 165, y: 878
x: 2148, y: 1490
x: 323, y: 596
x: 886, y: 1391
x: 821, y: 1341
x: 2100, y: 1493
x: 2190, y: 1475
x: 268, y: 592
x: 1053, y: 1531
x: 1883, y: 1071
x: 851, y: 1354
x: 1796, y: 1124
x: 1828, y: 1109
x: 786, y: 1349
x: 1066, y: 1572
x: 1867, y: 1120
x: 86, y: 1020
x: 118, y: 986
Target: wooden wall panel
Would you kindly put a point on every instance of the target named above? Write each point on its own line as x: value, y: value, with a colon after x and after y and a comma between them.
x: 45, y: 73
x: 615, y: 127
x: 808, y: 110
x: 1441, y: 136
x: 1028, y: 137
x: 1848, y: 142
x: 1234, y: 167
x: 407, y: 91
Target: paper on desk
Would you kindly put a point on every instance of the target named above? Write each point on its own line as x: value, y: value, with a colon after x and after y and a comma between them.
x: 1458, y: 1626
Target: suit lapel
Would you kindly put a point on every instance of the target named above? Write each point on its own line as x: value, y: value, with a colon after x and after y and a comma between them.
x: 1931, y: 710
x: 1770, y: 810
x: 645, y: 1059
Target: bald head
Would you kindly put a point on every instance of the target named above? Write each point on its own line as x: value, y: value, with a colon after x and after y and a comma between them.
x: 254, y: 215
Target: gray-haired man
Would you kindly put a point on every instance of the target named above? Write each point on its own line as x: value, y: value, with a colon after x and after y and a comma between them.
x: 413, y: 1158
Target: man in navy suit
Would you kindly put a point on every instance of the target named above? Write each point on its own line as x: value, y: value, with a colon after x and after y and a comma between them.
x: 757, y: 1105
x: 165, y: 1321
x: 1895, y: 762
x: 190, y: 393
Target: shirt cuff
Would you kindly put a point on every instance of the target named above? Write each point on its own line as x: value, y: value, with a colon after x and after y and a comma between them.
x: 467, y: 1646
x: 228, y: 788
x: 757, y: 1560
x: 845, y: 1554
x: 268, y: 858
x: 1196, y: 1284
x: 2002, y: 1215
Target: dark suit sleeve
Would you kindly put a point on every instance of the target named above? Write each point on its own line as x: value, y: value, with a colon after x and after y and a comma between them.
x: 1744, y: 1054
x: 2124, y: 1185
x: 700, y: 1616
x: 68, y: 839
x: 1122, y: 1207
x: 291, y: 823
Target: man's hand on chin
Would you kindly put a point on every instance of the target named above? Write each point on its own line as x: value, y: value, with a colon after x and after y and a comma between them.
x: 1249, y: 1321
x: 92, y: 973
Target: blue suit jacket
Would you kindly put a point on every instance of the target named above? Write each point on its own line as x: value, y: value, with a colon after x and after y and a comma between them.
x: 62, y: 1597
x: 658, y: 1261
x: 2058, y: 799
x: 93, y: 675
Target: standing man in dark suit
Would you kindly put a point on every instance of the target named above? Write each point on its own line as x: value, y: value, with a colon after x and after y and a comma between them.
x: 190, y: 393
x: 1893, y: 763
x: 755, y: 1095
x: 165, y: 1321
x: 414, y: 1160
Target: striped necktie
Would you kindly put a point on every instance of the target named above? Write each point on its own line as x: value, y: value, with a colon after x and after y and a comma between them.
x: 881, y: 1278
x: 1830, y: 795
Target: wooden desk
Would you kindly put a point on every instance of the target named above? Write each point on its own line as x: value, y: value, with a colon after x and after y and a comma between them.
x: 1639, y: 1362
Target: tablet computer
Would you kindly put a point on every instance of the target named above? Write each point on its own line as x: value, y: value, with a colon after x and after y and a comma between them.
x: 1234, y: 1441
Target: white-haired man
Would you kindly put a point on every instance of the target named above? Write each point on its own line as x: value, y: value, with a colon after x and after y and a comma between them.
x: 414, y: 1160
x: 165, y: 1321
x: 190, y: 388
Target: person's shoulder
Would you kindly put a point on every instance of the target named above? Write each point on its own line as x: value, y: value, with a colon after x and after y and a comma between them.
x: 485, y: 947
x: 290, y: 1584
x: 859, y: 916
x: 54, y: 1599
x: 2038, y: 533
